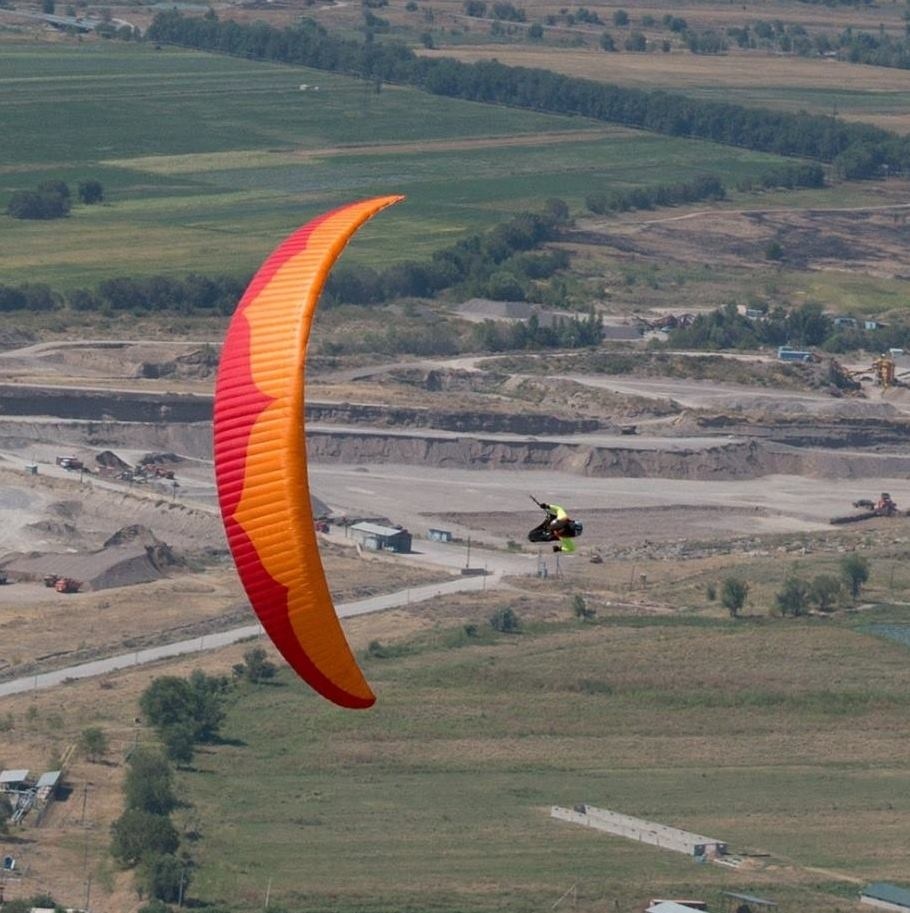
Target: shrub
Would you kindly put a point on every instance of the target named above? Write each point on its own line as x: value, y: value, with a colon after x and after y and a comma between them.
x: 825, y: 591
x: 256, y: 666
x: 794, y: 597
x: 581, y: 609
x: 93, y: 743
x: 505, y: 621
x: 91, y: 192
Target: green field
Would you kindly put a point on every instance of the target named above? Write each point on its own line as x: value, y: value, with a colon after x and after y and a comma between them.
x: 207, y: 161
x: 784, y: 737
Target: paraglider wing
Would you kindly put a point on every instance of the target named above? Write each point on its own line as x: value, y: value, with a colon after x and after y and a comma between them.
x: 260, y: 455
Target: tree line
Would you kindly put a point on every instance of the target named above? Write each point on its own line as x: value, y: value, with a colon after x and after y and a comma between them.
x: 194, y: 293
x: 703, y: 187
x: 806, y: 325
x: 493, y: 264
x: 564, y: 333
x: 500, y: 263
x: 183, y: 712
x: 857, y: 150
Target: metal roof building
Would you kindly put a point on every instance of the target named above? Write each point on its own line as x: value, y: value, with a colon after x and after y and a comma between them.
x: 670, y: 906
x: 12, y: 779
x: 382, y: 538
x: 47, y: 784
x: 886, y: 897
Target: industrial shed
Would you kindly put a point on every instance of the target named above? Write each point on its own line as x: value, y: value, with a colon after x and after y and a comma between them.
x: 886, y: 897
x: 382, y: 538
x: 47, y: 784
x: 13, y: 781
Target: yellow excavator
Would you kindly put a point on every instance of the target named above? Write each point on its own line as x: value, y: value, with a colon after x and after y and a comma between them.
x: 882, y: 372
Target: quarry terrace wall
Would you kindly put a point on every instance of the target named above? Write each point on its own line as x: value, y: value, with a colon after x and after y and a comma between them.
x: 659, y: 835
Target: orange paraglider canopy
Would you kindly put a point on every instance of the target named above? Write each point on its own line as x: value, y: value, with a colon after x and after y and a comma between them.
x: 260, y: 455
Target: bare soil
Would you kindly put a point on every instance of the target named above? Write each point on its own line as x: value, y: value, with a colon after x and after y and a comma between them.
x: 864, y: 241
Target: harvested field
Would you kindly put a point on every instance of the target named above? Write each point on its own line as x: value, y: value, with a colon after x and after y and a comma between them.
x: 869, y: 241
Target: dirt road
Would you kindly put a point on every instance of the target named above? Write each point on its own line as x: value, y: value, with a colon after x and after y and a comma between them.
x: 225, y: 638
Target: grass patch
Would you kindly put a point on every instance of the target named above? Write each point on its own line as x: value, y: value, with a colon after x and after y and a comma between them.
x: 730, y: 729
x: 206, y: 161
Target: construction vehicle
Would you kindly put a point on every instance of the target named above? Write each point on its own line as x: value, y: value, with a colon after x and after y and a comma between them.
x: 67, y: 585
x: 883, y: 372
x: 884, y: 507
x: 51, y: 579
x: 70, y: 463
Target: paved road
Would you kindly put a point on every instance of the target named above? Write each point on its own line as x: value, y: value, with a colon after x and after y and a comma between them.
x: 224, y: 638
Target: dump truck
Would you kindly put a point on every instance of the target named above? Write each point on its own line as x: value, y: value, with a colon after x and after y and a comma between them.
x: 69, y: 462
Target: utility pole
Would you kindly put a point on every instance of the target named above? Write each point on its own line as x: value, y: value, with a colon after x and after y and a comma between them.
x: 467, y: 562
x: 268, y: 892
x: 84, y: 802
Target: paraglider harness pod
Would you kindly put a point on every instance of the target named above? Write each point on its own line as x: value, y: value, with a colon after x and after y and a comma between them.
x: 555, y: 526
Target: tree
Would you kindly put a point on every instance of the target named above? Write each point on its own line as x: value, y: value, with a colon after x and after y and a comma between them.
x: 48, y: 7
x: 179, y: 742
x: 855, y: 569
x: 149, y: 783
x: 208, y: 711
x: 93, y: 742
x: 29, y: 204
x: 733, y: 595
x: 170, y: 700
x: 137, y: 833
x: 164, y: 877
x: 505, y: 621
x: 535, y: 32
x: 620, y: 18
x: 606, y: 42
x: 166, y: 701
x: 794, y: 597
x: 824, y: 591
x: 636, y: 42
x: 91, y: 192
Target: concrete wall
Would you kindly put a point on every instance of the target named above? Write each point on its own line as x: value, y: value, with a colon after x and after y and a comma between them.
x: 660, y: 835
x: 883, y: 904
